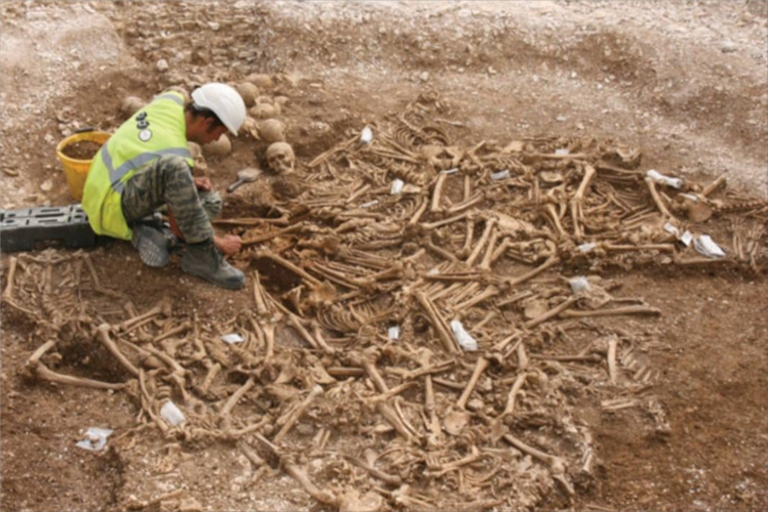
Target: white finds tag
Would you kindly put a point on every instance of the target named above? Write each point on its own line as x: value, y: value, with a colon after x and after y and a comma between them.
x: 466, y: 340
x: 366, y: 136
x: 706, y: 246
x: 95, y: 439
x: 397, y: 187
x: 394, y: 332
x: 172, y: 414
x: 660, y: 178
x: 578, y: 284
x: 232, y: 338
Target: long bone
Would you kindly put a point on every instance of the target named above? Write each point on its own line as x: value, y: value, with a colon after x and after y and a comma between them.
x: 445, y: 222
x: 437, y: 194
x: 316, y: 391
x: 102, y: 334
x: 367, y: 360
x: 442, y: 469
x: 577, y: 202
x: 490, y: 227
x: 419, y: 212
x: 556, y: 464
x: 9, y: 285
x: 657, y: 199
x: 555, y: 218
x: 550, y: 262
x: 464, y: 252
x: 43, y: 372
x: 489, y: 292
x: 376, y: 473
x: 266, y: 253
x: 449, y: 344
x: 567, y: 303
x: 394, y: 419
x: 468, y: 203
x: 485, y: 265
x: 184, y: 327
x: 626, y: 310
x: 480, y: 366
x: 236, y: 396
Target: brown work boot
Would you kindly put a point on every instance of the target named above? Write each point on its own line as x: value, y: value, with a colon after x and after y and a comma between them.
x: 204, y: 260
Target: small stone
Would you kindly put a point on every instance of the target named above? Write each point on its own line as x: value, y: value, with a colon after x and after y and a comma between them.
x: 214, y: 26
x: 424, y: 76
x: 46, y: 186
x: 162, y: 65
x: 561, y: 119
x: 190, y: 505
x: 728, y: 47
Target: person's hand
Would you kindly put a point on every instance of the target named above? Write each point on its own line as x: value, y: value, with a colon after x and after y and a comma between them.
x: 228, y: 244
x: 203, y: 183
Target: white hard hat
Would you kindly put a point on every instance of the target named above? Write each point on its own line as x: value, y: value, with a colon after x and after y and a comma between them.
x: 224, y: 101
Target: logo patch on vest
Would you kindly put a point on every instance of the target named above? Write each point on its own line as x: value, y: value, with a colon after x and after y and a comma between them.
x: 145, y: 135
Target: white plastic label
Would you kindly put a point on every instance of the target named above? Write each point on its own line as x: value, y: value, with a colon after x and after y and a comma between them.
x: 501, y: 175
x: 369, y: 203
x: 397, y: 187
x: 669, y: 228
x: 366, y: 136
x: 706, y: 246
x: 466, y: 341
x: 687, y: 238
x: 394, y: 332
x: 562, y: 151
x: 232, y: 338
x: 660, y: 178
x: 95, y: 439
x: 578, y: 284
x: 585, y: 248
x: 172, y: 414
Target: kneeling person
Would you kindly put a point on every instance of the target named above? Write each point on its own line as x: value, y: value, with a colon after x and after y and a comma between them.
x: 146, y: 165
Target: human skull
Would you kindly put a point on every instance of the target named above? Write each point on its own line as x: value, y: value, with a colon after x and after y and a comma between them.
x: 131, y: 105
x: 219, y: 147
x: 248, y: 92
x: 272, y: 130
x: 265, y: 110
x: 260, y: 80
x: 280, y: 157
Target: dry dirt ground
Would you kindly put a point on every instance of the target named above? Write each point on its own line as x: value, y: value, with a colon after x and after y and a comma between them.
x: 684, y: 81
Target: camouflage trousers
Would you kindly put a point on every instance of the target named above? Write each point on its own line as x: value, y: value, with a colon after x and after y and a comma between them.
x: 168, y: 181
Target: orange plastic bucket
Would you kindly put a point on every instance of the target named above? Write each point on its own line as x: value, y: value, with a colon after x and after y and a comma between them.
x: 76, y: 171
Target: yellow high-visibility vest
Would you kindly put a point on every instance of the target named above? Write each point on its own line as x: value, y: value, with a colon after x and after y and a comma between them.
x: 155, y: 130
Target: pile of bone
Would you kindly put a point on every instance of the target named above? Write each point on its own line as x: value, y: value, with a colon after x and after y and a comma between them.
x: 400, y: 348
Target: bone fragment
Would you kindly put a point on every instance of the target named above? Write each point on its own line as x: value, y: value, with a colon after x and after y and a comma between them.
x: 626, y: 310
x: 657, y: 198
x: 291, y: 421
x: 551, y: 262
x: 567, y: 303
x: 102, y: 334
x: 9, y: 285
x: 490, y: 227
x: 612, y: 369
x: 480, y: 367
x: 437, y: 194
x: 449, y: 344
x: 236, y: 396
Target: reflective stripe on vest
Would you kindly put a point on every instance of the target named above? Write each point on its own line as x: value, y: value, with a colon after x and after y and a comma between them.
x: 116, y: 175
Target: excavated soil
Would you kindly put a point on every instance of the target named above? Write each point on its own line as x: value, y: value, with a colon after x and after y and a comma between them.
x: 684, y: 82
x: 83, y: 150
